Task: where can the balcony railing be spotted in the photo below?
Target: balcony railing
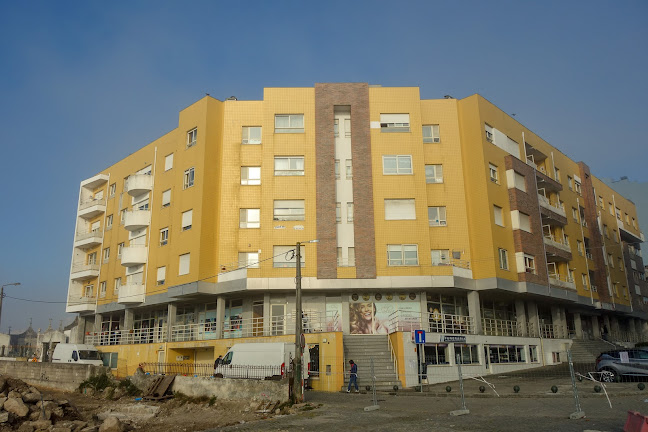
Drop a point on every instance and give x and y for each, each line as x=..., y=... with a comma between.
x=92, y=202
x=433, y=322
x=561, y=281
x=127, y=337
x=552, y=331
x=589, y=255
x=549, y=240
x=499, y=327
x=556, y=208
x=81, y=304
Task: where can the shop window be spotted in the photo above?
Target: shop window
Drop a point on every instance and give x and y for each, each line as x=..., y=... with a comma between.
x=468, y=354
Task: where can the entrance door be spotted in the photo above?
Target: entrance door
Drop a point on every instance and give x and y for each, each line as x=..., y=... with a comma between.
x=257, y=318
x=278, y=316
x=586, y=325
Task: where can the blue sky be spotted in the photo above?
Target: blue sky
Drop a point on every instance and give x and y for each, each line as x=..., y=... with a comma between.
x=84, y=84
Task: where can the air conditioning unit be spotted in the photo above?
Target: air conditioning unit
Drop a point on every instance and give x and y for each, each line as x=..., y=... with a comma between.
x=443, y=223
x=163, y=242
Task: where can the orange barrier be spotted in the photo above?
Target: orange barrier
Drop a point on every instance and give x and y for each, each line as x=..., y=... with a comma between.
x=636, y=422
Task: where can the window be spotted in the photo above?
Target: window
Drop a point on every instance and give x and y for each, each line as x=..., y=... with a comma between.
x=350, y=212
x=122, y=216
x=184, y=264
x=112, y=189
x=402, y=255
x=351, y=251
x=349, y=169
x=519, y=181
x=468, y=354
x=494, y=174
x=250, y=176
x=288, y=210
x=337, y=169
x=610, y=260
x=566, y=239
x=398, y=164
x=601, y=202
x=92, y=258
x=575, y=214
x=637, y=290
x=188, y=178
x=251, y=135
x=109, y=221
x=106, y=254
x=289, y=166
x=248, y=259
x=557, y=174
x=117, y=285
x=579, y=247
x=503, y=259
x=520, y=221
x=87, y=290
x=489, y=133
x=102, y=289
x=289, y=123
x=440, y=257
x=338, y=212
x=437, y=216
x=578, y=188
x=336, y=128
x=618, y=213
x=95, y=227
x=394, y=123
x=620, y=263
x=250, y=218
x=433, y=174
x=120, y=247
x=529, y=263
x=187, y=220
x=400, y=209
x=191, y=137
x=285, y=256
x=611, y=208
x=615, y=236
x=585, y=281
x=605, y=231
x=168, y=162
x=499, y=219
x=166, y=198
x=161, y=275
x=570, y=183
x=164, y=236
x=431, y=134
x=347, y=128
x=506, y=354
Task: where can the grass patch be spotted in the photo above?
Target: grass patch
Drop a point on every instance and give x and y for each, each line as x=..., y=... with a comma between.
x=97, y=383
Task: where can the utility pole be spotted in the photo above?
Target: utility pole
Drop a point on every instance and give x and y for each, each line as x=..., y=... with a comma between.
x=2, y=295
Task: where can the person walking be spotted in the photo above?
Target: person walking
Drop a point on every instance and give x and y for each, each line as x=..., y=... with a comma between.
x=217, y=363
x=353, y=377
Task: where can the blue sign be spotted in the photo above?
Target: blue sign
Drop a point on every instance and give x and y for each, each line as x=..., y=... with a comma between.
x=419, y=336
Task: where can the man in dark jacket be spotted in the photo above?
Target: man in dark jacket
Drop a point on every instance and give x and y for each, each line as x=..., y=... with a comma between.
x=353, y=377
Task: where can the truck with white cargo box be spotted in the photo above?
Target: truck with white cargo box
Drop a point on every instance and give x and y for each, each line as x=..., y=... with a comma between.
x=76, y=354
x=260, y=361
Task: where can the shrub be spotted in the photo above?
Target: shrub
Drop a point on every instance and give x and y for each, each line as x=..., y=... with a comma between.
x=97, y=382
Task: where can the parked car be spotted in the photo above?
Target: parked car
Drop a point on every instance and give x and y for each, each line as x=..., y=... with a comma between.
x=76, y=354
x=615, y=366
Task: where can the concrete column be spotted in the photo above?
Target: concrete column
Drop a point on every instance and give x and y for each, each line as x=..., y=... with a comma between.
x=637, y=328
x=425, y=323
x=534, y=329
x=172, y=311
x=596, y=331
x=97, y=322
x=644, y=329
x=129, y=315
x=345, y=315
x=78, y=335
x=614, y=322
x=474, y=310
x=521, y=317
x=267, y=318
x=578, y=326
x=220, y=316
x=557, y=322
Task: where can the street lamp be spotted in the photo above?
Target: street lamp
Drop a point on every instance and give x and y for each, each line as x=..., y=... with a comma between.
x=298, y=387
x=2, y=295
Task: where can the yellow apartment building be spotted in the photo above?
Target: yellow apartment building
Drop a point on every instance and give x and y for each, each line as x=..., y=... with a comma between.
x=443, y=215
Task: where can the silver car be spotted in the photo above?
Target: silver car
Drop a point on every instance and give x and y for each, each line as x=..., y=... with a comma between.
x=618, y=364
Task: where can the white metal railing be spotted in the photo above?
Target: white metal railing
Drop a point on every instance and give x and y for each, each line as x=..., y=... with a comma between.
x=432, y=322
x=624, y=336
x=552, y=331
x=589, y=255
x=87, y=235
x=557, y=244
x=91, y=202
x=554, y=207
x=500, y=327
x=127, y=337
x=84, y=267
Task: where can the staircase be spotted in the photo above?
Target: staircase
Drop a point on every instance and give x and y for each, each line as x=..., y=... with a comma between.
x=586, y=351
x=361, y=349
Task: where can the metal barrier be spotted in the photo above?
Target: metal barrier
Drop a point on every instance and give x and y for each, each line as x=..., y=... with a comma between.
x=225, y=371
x=498, y=327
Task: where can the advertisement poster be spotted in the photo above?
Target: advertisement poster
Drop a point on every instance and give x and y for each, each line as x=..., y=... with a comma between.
x=383, y=316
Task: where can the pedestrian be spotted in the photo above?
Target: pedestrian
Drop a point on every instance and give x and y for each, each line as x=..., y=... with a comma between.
x=605, y=332
x=217, y=363
x=353, y=377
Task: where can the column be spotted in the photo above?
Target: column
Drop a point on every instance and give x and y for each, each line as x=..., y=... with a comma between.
x=425, y=323
x=596, y=331
x=534, y=329
x=172, y=311
x=129, y=314
x=644, y=329
x=559, y=324
x=637, y=329
x=474, y=310
x=578, y=326
x=78, y=336
x=220, y=316
x=521, y=317
x=267, y=315
x=615, y=329
x=97, y=322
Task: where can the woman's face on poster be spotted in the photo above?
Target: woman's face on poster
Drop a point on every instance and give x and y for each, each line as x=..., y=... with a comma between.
x=366, y=311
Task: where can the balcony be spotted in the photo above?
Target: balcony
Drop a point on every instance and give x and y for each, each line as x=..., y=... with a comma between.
x=137, y=219
x=131, y=293
x=82, y=272
x=139, y=184
x=561, y=281
x=88, y=239
x=80, y=304
x=556, y=250
x=92, y=207
x=547, y=205
x=133, y=255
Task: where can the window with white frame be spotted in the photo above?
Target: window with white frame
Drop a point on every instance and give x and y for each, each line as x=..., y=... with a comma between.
x=106, y=254
x=402, y=255
x=437, y=216
x=188, y=179
x=557, y=174
x=503, y=259
x=610, y=260
x=192, y=135
x=351, y=254
x=519, y=181
x=102, y=289
x=288, y=210
x=575, y=214
x=637, y=290
x=347, y=128
x=92, y=258
x=431, y=134
x=577, y=187
x=400, y=209
x=336, y=128
x=289, y=123
x=337, y=169
x=440, y=257
x=489, y=133
x=394, y=123
x=184, y=263
x=349, y=169
x=109, y=221
x=520, y=221
x=499, y=216
x=433, y=174
x=601, y=202
x=350, y=212
x=338, y=212
x=529, y=263
x=397, y=164
x=120, y=248
x=161, y=275
x=112, y=189
x=468, y=354
x=166, y=198
x=285, y=256
x=187, y=220
x=579, y=247
x=494, y=174
x=248, y=259
x=122, y=216
x=164, y=236
x=87, y=290
x=250, y=218
x=251, y=135
x=570, y=183
x=289, y=165
x=585, y=281
x=168, y=162
x=117, y=285
x=251, y=176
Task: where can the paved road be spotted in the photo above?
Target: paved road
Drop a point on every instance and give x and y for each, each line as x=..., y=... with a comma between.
x=431, y=413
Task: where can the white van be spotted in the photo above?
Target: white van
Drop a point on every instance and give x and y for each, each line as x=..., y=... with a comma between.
x=260, y=360
x=76, y=354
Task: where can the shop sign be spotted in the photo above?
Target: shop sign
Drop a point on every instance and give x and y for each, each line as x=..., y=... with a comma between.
x=447, y=338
